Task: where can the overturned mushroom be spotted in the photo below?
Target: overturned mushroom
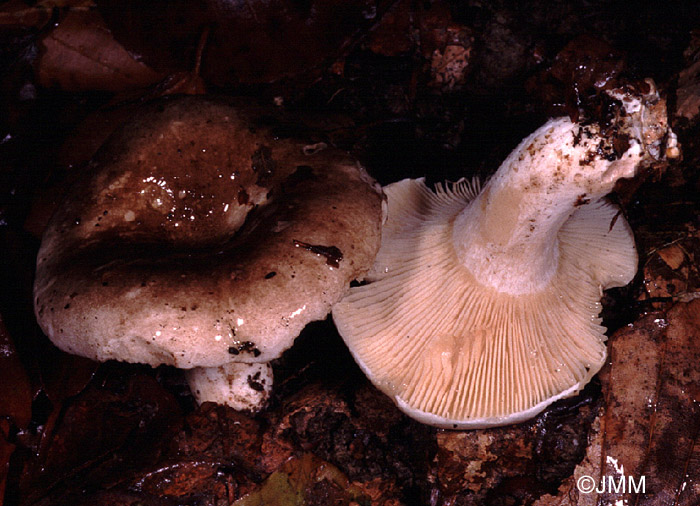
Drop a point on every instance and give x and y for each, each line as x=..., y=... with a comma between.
x=482, y=307
x=206, y=239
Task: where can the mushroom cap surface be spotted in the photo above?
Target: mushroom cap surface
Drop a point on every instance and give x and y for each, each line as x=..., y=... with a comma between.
x=203, y=235
x=454, y=353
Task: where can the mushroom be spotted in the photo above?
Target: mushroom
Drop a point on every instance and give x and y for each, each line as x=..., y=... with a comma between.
x=482, y=306
x=204, y=238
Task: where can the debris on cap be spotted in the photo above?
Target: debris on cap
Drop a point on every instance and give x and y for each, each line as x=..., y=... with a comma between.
x=203, y=234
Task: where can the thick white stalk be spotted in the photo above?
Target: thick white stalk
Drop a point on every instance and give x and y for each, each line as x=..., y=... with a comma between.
x=507, y=236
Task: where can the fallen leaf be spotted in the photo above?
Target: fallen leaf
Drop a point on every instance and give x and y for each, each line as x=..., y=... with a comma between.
x=649, y=433
x=519, y=462
x=19, y=13
x=64, y=375
x=301, y=481
x=671, y=462
x=179, y=479
x=122, y=497
x=393, y=35
x=15, y=388
x=223, y=434
x=81, y=54
x=362, y=433
x=673, y=255
x=215, y=456
x=672, y=272
x=253, y=41
x=688, y=92
x=6, y=451
x=101, y=437
x=568, y=492
x=580, y=72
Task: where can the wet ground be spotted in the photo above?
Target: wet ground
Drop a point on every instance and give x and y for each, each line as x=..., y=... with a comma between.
x=436, y=89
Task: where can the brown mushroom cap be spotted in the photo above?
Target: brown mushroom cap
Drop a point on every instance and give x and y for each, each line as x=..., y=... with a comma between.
x=203, y=236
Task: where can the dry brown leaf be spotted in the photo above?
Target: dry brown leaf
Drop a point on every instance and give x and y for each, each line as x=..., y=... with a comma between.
x=568, y=491
x=672, y=271
x=64, y=375
x=20, y=13
x=81, y=54
x=304, y=480
x=100, y=437
x=393, y=35
x=15, y=389
x=688, y=92
x=251, y=41
x=180, y=478
x=6, y=450
x=479, y=460
x=650, y=431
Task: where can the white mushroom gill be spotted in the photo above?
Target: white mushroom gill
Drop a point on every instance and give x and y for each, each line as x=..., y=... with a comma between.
x=482, y=306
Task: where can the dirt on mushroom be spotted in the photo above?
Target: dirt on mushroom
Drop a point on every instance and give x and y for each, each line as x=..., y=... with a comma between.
x=158, y=245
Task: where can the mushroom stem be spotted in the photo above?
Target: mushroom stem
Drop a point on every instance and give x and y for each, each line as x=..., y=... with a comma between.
x=240, y=385
x=515, y=220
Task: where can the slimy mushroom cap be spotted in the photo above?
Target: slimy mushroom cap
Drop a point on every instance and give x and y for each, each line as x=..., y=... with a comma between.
x=203, y=235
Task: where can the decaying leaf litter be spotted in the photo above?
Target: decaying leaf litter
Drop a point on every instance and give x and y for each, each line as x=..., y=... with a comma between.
x=433, y=102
